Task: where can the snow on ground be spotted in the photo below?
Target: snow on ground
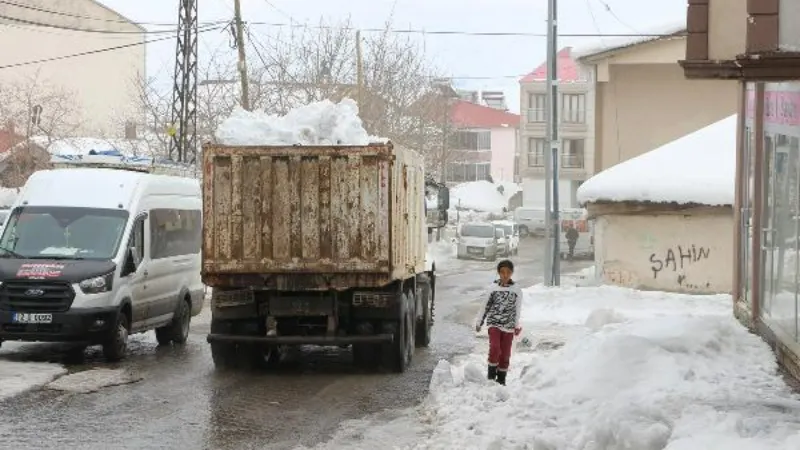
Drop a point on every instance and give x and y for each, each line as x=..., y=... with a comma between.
x=697, y=168
x=320, y=123
x=479, y=196
x=93, y=380
x=611, y=368
x=7, y=197
x=607, y=45
x=18, y=377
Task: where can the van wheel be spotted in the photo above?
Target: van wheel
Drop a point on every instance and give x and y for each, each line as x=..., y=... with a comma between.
x=178, y=330
x=116, y=344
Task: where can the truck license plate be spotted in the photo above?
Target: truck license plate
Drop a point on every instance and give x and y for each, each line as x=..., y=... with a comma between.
x=32, y=318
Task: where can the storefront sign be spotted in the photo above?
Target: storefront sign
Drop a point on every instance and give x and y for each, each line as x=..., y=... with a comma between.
x=780, y=108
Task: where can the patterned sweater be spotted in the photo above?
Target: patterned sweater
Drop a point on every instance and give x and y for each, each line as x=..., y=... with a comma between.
x=502, y=308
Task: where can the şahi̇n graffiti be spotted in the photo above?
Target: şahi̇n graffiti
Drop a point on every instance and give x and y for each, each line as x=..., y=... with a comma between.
x=678, y=258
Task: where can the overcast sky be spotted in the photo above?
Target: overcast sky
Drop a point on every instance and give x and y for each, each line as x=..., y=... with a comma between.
x=502, y=59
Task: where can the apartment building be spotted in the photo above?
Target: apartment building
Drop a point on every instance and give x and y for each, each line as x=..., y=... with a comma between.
x=576, y=124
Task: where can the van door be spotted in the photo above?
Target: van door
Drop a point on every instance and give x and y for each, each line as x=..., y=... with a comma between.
x=138, y=280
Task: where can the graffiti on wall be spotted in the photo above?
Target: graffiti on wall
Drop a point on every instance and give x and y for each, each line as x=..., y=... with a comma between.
x=677, y=258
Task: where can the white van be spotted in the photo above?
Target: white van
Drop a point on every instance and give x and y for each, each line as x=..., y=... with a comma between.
x=531, y=221
x=91, y=256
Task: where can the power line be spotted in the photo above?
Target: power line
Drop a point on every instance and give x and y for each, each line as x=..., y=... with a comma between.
x=80, y=16
x=614, y=15
x=83, y=30
x=93, y=52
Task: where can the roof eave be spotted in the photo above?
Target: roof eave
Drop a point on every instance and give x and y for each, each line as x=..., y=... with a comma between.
x=592, y=58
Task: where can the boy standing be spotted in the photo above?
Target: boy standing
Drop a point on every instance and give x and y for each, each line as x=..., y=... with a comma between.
x=501, y=314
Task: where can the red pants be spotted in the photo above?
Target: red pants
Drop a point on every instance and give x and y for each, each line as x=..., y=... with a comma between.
x=500, y=348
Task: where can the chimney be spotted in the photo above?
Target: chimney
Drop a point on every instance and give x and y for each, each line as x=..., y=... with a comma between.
x=130, y=131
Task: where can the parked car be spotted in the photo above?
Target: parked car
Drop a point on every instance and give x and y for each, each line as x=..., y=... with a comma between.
x=511, y=230
x=531, y=221
x=108, y=254
x=479, y=240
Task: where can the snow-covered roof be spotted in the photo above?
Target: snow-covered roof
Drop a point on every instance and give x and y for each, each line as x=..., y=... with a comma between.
x=699, y=168
x=85, y=145
x=598, y=47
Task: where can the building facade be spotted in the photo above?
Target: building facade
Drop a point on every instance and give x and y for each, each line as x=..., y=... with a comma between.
x=93, y=94
x=753, y=45
x=642, y=98
x=483, y=143
x=576, y=128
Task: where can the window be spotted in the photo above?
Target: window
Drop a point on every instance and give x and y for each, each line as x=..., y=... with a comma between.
x=460, y=172
x=572, y=153
x=137, y=241
x=64, y=232
x=472, y=140
x=573, y=108
x=537, y=107
x=174, y=232
x=536, y=148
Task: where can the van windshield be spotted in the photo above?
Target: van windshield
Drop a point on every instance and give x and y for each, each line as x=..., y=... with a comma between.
x=48, y=232
x=509, y=230
x=477, y=231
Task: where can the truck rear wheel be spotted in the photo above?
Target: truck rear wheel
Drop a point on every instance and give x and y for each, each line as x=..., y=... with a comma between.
x=399, y=354
x=425, y=322
x=222, y=353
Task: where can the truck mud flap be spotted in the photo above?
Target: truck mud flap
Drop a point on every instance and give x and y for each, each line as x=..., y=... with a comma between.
x=301, y=340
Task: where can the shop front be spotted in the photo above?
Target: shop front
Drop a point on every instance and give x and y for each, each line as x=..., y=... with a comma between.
x=767, y=270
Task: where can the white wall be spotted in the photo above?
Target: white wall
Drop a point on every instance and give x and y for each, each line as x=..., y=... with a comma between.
x=504, y=147
x=533, y=193
x=677, y=253
x=102, y=84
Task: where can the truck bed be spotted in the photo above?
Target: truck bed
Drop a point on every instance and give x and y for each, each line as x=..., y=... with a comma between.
x=311, y=217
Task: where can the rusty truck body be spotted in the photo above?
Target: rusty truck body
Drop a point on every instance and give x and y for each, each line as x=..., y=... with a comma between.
x=317, y=245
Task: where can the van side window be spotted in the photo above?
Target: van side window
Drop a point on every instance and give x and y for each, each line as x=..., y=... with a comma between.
x=174, y=232
x=137, y=241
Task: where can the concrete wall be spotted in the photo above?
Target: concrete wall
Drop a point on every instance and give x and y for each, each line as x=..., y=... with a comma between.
x=668, y=252
x=102, y=84
x=504, y=148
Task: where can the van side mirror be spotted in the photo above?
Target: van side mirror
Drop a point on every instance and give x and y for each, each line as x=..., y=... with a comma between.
x=129, y=265
x=444, y=198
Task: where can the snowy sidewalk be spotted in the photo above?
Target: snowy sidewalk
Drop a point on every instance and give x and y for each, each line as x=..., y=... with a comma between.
x=636, y=371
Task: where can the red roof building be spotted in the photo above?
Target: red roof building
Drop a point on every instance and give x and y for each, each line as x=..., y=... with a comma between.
x=464, y=114
x=567, y=69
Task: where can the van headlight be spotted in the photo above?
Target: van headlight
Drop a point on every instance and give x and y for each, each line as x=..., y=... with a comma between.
x=97, y=285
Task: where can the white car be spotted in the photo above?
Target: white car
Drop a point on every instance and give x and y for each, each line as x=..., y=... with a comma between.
x=479, y=241
x=511, y=231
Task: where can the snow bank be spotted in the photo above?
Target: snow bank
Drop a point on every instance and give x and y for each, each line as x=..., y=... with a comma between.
x=320, y=123
x=697, y=168
x=633, y=370
x=606, y=45
x=479, y=196
x=18, y=377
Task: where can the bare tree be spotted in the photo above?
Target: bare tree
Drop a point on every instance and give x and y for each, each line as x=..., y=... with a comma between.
x=36, y=109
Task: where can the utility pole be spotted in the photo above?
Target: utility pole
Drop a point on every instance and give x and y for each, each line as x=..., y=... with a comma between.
x=552, y=222
x=359, y=71
x=242, y=55
x=183, y=115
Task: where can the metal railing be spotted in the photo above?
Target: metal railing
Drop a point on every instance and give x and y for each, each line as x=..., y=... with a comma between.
x=568, y=161
x=573, y=117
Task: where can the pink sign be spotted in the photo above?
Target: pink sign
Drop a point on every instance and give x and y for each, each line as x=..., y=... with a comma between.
x=780, y=108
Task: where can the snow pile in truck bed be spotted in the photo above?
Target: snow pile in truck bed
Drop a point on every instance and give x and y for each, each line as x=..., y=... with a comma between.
x=320, y=123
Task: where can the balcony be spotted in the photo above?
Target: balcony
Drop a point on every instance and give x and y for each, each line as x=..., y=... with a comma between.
x=571, y=120
x=571, y=163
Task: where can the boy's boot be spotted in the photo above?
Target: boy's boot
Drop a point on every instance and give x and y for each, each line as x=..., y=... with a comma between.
x=492, y=372
x=501, y=377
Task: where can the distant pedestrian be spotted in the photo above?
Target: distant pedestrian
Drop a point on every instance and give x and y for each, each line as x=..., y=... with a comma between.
x=572, y=239
x=501, y=314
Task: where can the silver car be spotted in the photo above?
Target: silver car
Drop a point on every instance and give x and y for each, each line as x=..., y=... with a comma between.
x=479, y=241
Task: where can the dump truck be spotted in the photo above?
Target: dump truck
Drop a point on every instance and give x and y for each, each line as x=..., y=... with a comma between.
x=318, y=245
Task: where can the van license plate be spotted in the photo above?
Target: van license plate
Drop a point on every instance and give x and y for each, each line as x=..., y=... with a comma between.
x=32, y=318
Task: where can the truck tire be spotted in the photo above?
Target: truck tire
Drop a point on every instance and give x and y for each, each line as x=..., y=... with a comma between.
x=425, y=322
x=222, y=353
x=399, y=353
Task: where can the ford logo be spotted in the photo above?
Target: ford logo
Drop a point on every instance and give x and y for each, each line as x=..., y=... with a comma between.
x=34, y=292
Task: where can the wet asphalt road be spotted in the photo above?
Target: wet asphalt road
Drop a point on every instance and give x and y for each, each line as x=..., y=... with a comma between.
x=182, y=403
